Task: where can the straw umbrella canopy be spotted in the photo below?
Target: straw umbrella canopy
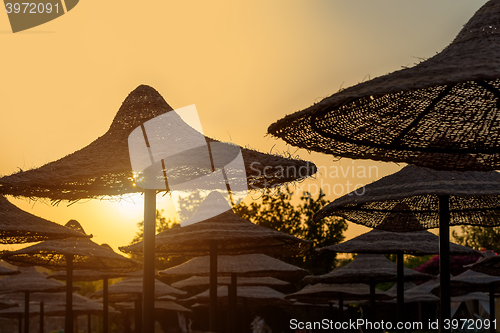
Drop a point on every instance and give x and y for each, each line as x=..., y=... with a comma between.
x=160, y=305
x=490, y=265
x=18, y=226
x=327, y=292
x=30, y=281
x=131, y=289
x=385, y=242
x=248, y=265
x=256, y=294
x=91, y=275
x=469, y=281
x=8, y=271
x=204, y=281
x=104, y=168
x=68, y=254
x=419, y=199
x=433, y=114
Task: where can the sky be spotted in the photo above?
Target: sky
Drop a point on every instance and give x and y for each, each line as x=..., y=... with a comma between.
x=244, y=64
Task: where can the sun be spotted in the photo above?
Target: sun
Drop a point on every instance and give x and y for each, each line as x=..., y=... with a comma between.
x=131, y=206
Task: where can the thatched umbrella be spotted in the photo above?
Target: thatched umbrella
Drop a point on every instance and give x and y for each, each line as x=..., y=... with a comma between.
x=433, y=114
x=256, y=294
x=249, y=265
x=91, y=275
x=419, y=199
x=222, y=233
x=131, y=289
x=204, y=281
x=399, y=243
x=469, y=281
x=489, y=264
x=367, y=268
x=30, y=281
x=104, y=168
x=18, y=226
x=80, y=253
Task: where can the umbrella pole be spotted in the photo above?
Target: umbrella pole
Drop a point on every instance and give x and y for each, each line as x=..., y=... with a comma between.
x=372, y=300
x=68, y=322
x=341, y=309
x=26, y=312
x=138, y=315
x=148, y=288
x=20, y=322
x=105, y=314
x=42, y=317
x=233, y=303
x=444, y=259
x=492, y=308
x=89, y=323
x=213, y=287
x=400, y=286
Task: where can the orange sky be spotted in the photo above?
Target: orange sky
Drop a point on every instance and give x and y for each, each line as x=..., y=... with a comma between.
x=244, y=64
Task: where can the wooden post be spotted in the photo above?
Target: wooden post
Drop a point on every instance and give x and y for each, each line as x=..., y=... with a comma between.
x=105, y=314
x=400, y=286
x=68, y=322
x=213, y=287
x=444, y=259
x=138, y=315
x=341, y=309
x=89, y=323
x=233, y=303
x=148, y=288
x=492, y=308
x=42, y=317
x=27, y=312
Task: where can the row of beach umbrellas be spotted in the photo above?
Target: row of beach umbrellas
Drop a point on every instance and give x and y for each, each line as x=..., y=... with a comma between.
x=441, y=115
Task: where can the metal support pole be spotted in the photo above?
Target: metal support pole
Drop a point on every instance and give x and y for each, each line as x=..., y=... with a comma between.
x=148, y=287
x=444, y=259
x=213, y=287
x=68, y=322
x=42, y=317
x=27, y=312
x=105, y=313
x=400, y=286
x=492, y=308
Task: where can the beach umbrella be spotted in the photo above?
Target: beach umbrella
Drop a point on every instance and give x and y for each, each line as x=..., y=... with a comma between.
x=367, y=268
x=489, y=264
x=18, y=226
x=104, y=169
x=249, y=265
x=69, y=254
x=91, y=275
x=131, y=289
x=223, y=233
x=419, y=199
x=478, y=282
x=443, y=113
x=399, y=243
x=30, y=281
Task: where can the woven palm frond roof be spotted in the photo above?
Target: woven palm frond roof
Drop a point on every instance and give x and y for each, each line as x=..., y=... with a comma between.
x=195, y=281
x=18, y=226
x=133, y=287
x=488, y=265
x=103, y=168
x=30, y=280
x=8, y=271
x=324, y=292
x=233, y=234
x=433, y=114
x=408, y=200
x=86, y=254
x=380, y=241
x=87, y=275
x=366, y=268
x=249, y=292
x=159, y=305
x=250, y=265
